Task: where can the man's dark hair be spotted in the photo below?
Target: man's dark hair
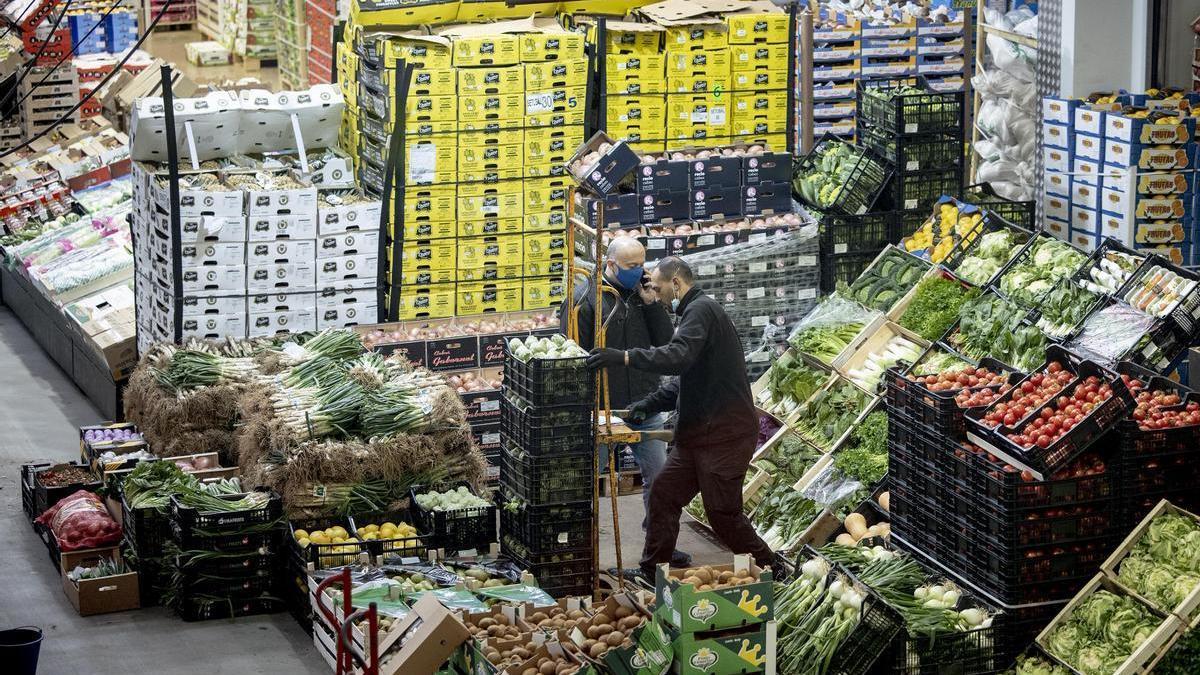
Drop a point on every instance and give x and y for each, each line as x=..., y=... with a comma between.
x=671, y=267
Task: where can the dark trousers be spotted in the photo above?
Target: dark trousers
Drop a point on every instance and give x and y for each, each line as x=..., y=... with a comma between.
x=717, y=472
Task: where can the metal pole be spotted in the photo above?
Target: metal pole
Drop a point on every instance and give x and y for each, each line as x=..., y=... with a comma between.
x=806, y=81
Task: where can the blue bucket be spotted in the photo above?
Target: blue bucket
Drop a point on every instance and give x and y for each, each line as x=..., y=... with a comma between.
x=20, y=647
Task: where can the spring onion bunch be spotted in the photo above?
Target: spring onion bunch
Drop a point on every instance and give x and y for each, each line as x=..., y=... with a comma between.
x=818, y=635
x=188, y=369
x=402, y=405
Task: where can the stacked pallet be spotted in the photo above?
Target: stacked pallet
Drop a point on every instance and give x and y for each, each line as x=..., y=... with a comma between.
x=291, y=35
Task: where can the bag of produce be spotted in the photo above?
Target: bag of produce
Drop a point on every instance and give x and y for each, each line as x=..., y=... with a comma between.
x=80, y=521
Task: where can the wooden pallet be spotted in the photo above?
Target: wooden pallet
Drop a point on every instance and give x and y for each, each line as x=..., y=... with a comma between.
x=251, y=64
x=177, y=26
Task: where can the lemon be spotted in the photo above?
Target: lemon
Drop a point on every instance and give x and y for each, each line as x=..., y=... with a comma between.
x=388, y=526
x=370, y=536
x=340, y=531
x=339, y=540
x=303, y=541
x=301, y=534
x=318, y=537
x=369, y=528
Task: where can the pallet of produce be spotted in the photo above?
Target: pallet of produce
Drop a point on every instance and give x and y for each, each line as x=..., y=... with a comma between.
x=948, y=233
x=839, y=177
x=990, y=326
x=831, y=331
x=1158, y=444
x=886, y=280
x=899, y=108
x=889, y=346
x=1036, y=269
x=931, y=307
x=548, y=371
x=1158, y=562
x=621, y=634
x=1053, y=415
x=1105, y=630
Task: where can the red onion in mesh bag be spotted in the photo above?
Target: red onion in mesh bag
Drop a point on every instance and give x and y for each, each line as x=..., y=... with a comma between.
x=80, y=521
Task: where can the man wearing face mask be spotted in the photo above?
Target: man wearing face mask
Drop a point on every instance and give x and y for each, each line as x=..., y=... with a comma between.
x=717, y=429
x=632, y=318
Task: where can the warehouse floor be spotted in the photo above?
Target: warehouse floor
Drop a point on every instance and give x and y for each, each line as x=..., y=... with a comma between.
x=42, y=409
x=171, y=46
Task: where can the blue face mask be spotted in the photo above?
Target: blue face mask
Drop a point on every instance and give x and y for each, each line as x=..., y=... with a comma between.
x=629, y=278
x=675, y=305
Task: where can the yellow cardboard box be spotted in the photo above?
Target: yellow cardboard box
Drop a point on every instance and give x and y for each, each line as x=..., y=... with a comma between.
x=430, y=109
x=762, y=78
x=634, y=73
x=544, y=292
x=503, y=249
x=556, y=44
x=485, y=50
x=753, y=57
x=477, y=297
x=574, y=116
x=491, y=136
x=489, y=226
x=766, y=105
x=481, y=108
x=433, y=203
x=426, y=82
x=553, y=74
x=699, y=83
x=547, y=103
x=491, y=80
x=648, y=109
x=570, y=136
x=490, y=162
x=545, y=246
x=432, y=302
x=759, y=22
x=422, y=51
x=546, y=194
x=546, y=221
x=710, y=63
x=432, y=254
x=707, y=109
x=698, y=37
x=480, y=201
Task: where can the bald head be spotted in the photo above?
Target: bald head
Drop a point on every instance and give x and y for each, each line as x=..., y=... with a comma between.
x=627, y=251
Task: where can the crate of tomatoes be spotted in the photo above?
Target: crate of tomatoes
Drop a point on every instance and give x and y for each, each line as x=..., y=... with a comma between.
x=936, y=397
x=1052, y=415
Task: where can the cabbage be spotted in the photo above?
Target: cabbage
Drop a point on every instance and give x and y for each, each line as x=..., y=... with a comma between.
x=996, y=245
x=977, y=270
x=1065, y=640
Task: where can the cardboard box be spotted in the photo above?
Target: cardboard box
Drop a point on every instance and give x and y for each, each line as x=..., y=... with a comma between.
x=681, y=607
x=724, y=653
x=423, y=640
x=103, y=595
x=612, y=166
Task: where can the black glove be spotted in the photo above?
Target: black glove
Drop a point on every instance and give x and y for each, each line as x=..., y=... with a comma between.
x=605, y=358
x=638, y=413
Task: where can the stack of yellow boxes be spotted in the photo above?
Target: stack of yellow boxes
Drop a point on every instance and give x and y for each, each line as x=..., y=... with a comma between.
x=693, y=77
x=492, y=114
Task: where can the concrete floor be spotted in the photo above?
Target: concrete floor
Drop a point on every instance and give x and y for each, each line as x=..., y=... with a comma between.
x=42, y=409
x=171, y=46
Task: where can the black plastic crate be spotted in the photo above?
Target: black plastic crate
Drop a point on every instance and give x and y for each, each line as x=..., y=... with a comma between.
x=458, y=530
x=909, y=154
x=869, y=642
x=146, y=529
x=935, y=410
x=1023, y=214
x=1047, y=573
x=870, y=232
x=1099, y=420
x=545, y=480
x=1010, y=492
x=28, y=489
x=402, y=547
x=548, y=565
x=547, y=431
x=188, y=518
x=564, y=585
x=924, y=112
x=910, y=191
x=191, y=540
x=46, y=496
x=1183, y=316
x=864, y=182
x=971, y=652
x=153, y=578
x=524, y=534
x=550, y=382
x=253, y=564
x=189, y=584
x=198, y=609
x=844, y=268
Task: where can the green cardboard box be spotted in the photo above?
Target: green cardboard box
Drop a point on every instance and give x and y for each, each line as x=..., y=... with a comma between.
x=686, y=609
x=724, y=652
x=650, y=651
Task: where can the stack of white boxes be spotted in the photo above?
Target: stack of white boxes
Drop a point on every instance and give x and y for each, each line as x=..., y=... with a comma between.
x=1124, y=169
x=251, y=261
x=259, y=249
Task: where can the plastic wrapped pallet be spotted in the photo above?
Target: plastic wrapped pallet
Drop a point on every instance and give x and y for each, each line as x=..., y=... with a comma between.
x=1008, y=115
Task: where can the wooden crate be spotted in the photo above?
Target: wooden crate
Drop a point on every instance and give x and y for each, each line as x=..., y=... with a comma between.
x=1190, y=607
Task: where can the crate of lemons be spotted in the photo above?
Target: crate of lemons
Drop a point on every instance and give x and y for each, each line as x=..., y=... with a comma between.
x=335, y=545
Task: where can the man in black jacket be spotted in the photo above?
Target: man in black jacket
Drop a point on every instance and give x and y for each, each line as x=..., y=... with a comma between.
x=633, y=318
x=717, y=429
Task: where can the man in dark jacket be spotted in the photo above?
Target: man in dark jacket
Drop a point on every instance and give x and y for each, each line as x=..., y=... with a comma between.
x=717, y=429
x=632, y=318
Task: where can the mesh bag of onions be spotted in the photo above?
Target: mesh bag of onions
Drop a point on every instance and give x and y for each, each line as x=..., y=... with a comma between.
x=80, y=521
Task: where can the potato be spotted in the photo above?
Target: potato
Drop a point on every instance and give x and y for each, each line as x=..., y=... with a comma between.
x=622, y=611
x=486, y=622
x=629, y=622
x=704, y=587
x=577, y=614
x=564, y=668
x=530, y=671
x=502, y=620
x=601, y=619
x=605, y=629
x=522, y=653
x=594, y=631
x=705, y=574
x=548, y=668
x=598, y=649
x=614, y=638
x=725, y=576
x=587, y=644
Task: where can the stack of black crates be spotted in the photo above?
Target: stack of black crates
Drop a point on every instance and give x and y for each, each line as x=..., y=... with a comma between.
x=223, y=564
x=921, y=132
x=1026, y=546
x=547, y=471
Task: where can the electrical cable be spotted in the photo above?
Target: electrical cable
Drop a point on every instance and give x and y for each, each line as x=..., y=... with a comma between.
x=137, y=45
x=14, y=25
x=41, y=50
x=116, y=4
